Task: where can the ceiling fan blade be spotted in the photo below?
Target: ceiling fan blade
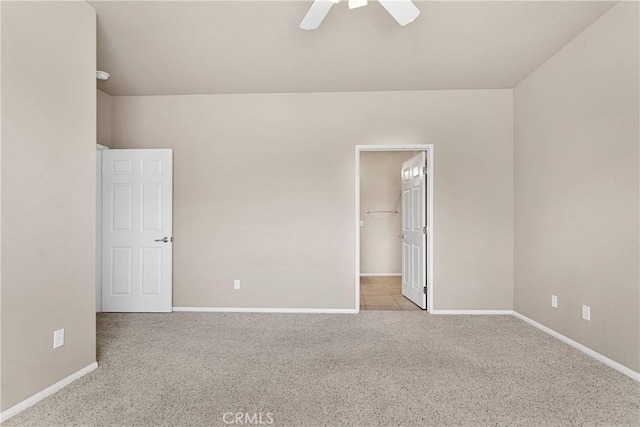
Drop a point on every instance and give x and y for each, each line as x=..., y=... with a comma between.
x=403, y=11
x=316, y=14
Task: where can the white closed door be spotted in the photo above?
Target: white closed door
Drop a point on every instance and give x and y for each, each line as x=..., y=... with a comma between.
x=137, y=230
x=414, y=230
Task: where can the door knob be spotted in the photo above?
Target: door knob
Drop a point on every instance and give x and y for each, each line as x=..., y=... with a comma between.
x=401, y=236
x=165, y=240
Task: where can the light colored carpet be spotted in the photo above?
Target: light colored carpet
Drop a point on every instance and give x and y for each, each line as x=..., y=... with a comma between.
x=369, y=369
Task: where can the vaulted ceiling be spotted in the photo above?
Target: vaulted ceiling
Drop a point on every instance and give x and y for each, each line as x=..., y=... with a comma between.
x=208, y=47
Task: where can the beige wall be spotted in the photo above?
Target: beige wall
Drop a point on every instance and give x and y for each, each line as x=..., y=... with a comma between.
x=104, y=118
x=577, y=187
x=48, y=187
x=264, y=191
x=381, y=189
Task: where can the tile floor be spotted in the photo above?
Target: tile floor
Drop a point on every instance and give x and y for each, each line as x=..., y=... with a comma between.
x=383, y=293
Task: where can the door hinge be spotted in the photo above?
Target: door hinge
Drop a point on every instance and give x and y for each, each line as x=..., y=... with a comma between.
x=424, y=230
x=424, y=170
x=425, y=289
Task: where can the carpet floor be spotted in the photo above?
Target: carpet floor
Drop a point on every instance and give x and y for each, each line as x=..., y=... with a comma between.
x=371, y=369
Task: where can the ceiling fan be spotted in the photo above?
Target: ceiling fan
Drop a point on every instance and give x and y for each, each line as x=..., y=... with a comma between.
x=403, y=11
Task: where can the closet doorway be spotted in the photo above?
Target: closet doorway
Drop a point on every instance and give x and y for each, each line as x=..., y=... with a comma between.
x=394, y=227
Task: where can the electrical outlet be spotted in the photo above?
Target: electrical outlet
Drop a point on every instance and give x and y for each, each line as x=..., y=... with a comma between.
x=58, y=338
x=554, y=301
x=236, y=284
x=586, y=313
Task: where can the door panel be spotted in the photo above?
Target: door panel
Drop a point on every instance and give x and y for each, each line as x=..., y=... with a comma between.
x=151, y=271
x=121, y=271
x=137, y=216
x=122, y=210
x=414, y=245
x=151, y=207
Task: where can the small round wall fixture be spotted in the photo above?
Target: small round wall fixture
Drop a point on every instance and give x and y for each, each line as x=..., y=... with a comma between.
x=102, y=75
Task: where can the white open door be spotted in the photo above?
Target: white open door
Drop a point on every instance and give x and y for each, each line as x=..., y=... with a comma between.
x=137, y=230
x=414, y=230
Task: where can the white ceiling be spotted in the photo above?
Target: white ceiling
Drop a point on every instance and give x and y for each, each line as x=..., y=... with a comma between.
x=182, y=47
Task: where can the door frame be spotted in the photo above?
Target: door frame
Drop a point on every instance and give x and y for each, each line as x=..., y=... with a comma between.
x=99, y=149
x=428, y=148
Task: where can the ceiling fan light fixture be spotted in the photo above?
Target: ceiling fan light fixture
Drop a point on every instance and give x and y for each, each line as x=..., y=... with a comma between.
x=403, y=11
x=354, y=4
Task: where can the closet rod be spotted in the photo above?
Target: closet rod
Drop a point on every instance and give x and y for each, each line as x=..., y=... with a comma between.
x=371, y=212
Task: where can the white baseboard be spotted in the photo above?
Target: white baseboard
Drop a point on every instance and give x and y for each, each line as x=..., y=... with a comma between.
x=14, y=410
x=266, y=310
x=474, y=312
x=600, y=357
x=380, y=274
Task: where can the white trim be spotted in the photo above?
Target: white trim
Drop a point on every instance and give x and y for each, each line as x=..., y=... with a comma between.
x=431, y=225
x=400, y=147
x=474, y=312
x=396, y=147
x=600, y=357
x=98, y=268
x=380, y=274
x=99, y=149
x=16, y=409
x=265, y=310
